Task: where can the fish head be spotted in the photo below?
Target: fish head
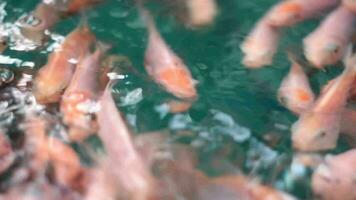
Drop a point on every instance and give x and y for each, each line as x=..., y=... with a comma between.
x=256, y=53
x=315, y=131
x=285, y=14
x=323, y=51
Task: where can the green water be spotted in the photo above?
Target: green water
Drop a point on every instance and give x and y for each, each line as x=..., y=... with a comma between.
x=229, y=94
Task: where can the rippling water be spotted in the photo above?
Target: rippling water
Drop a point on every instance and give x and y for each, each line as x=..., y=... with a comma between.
x=237, y=116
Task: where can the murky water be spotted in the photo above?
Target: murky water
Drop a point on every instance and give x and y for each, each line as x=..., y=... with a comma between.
x=237, y=118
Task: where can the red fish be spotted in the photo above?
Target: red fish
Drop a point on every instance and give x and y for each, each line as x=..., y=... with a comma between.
x=295, y=92
x=288, y=13
x=318, y=128
x=165, y=67
x=260, y=45
x=127, y=165
x=54, y=77
x=81, y=96
x=324, y=47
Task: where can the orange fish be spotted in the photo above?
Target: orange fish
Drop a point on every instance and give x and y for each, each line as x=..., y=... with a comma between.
x=288, y=13
x=260, y=45
x=79, y=99
x=295, y=92
x=335, y=178
x=165, y=67
x=127, y=165
x=75, y=6
x=54, y=77
x=201, y=12
x=324, y=47
x=318, y=128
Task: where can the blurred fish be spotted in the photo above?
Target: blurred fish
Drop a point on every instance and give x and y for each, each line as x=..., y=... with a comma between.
x=260, y=45
x=7, y=155
x=239, y=187
x=335, y=178
x=55, y=76
x=164, y=66
x=79, y=101
x=288, y=13
x=318, y=128
x=126, y=164
x=42, y=18
x=349, y=4
x=295, y=92
x=325, y=47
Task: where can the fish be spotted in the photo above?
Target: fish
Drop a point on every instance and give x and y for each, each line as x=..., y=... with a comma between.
x=79, y=101
x=324, y=47
x=231, y=187
x=335, y=178
x=164, y=66
x=74, y=6
x=44, y=17
x=7, y=154
x=291, y=12
x=128, y=167
x=349, y=4
x=3, y=43
x=260, y=46
x=53, y=78
x=295, y=92
x=318, y=128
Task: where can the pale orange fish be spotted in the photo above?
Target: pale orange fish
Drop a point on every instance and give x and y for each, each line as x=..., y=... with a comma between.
x=42, y=18
x=324, y=47
x=201, y=12
x=164, y=66
x=295, y=92
x=79, y=101
x=239, y=187
x=7, y=155
x=260, y=45
x=318, y=128
x=128, y=167
x=335, y=178
x=75, y=6
x=349, y=4
x=288, y=13
x=54, y=77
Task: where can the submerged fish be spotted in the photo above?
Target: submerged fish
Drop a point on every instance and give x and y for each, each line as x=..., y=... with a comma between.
x=260, y=45
x=127, y=165
x=295, y=92
x=335, y=178
x=288, y=13
x=328, y=43
x=165, y=67
x=54, y=77
x=79, y=101
x=200, y=12
x=318, y=128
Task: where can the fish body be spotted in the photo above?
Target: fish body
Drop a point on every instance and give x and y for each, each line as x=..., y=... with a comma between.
x=165, y=67
x=349, y=4
x=289, y=13
x=295, y=92
x=325, y=47
x=260, y=45
x=318, y=129
x=54, y=77
x=80, y=98
x=334, y=179
x=127, y=165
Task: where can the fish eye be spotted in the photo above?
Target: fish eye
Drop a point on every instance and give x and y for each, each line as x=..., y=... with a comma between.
x=332, y=48
x=283, y=100
x=321, y=134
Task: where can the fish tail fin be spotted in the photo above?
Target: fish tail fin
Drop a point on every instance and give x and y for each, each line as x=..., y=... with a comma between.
x=146, y=16
x=84, y=22
x=103, y=47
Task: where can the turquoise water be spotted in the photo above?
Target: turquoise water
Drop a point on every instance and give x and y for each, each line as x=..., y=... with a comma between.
x=237, y=108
